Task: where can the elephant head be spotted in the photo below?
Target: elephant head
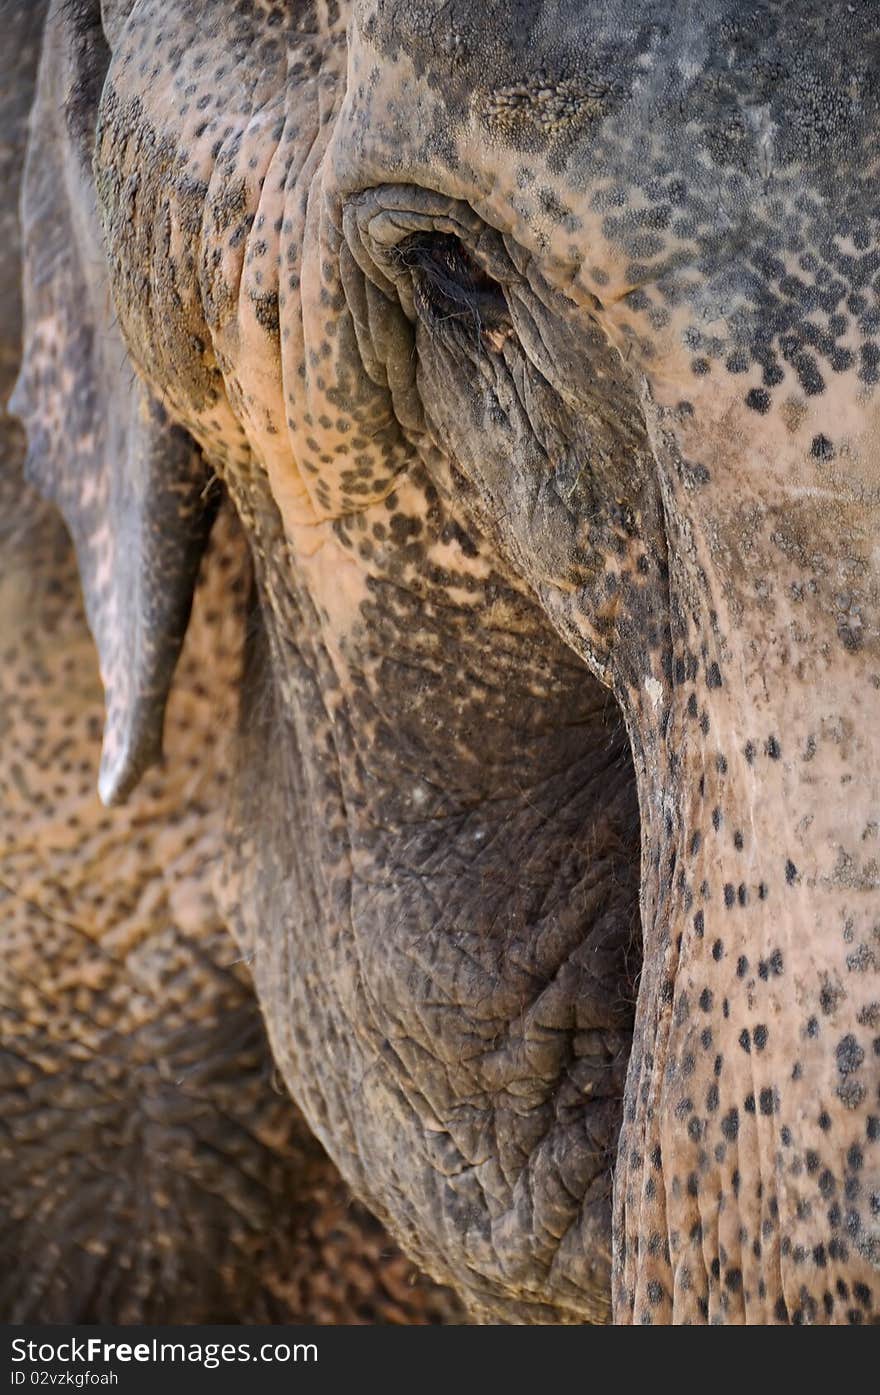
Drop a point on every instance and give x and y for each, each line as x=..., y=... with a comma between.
x=537, y=346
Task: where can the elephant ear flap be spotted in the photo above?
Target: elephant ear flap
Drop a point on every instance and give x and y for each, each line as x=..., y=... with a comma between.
x=131, y=486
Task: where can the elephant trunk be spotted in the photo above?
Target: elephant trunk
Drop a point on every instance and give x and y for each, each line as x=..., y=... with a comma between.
x=748, y=1181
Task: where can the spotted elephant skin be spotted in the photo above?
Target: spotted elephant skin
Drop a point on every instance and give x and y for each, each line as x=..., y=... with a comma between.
x=536, y=345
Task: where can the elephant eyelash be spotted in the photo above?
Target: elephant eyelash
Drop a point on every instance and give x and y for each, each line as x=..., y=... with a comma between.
x=449, y=284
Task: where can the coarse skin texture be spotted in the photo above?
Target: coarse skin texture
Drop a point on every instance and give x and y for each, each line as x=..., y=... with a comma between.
x=537, y=347
x=152, y=1167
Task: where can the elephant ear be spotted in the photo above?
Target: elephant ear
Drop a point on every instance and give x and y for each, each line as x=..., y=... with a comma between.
x=131, y=485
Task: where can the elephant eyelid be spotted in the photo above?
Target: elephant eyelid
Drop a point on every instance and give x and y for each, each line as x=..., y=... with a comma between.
x=449, y=283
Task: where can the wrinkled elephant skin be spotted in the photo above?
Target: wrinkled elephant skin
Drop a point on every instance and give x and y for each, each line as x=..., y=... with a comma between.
x=537, y=346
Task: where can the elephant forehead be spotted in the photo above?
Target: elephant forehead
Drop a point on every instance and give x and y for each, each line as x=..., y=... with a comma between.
x=555, y=66
x=703, y=183
x=633, y=144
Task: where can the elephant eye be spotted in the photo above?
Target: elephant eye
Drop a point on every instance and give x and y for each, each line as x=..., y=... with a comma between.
x=449, y=284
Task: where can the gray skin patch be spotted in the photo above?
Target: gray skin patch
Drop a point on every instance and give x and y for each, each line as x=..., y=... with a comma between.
x=533, y=346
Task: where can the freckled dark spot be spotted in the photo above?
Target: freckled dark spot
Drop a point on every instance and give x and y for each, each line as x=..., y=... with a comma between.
x=809, y=377
x=759, y=400
x=717, y=950
x=827, y=1183
x=850, y=1055
x=772, y=748
x=869, y=371
x=730, y=1125
x=790, y=872
x=729, y=895
x=759, y=1037
x=822, y=448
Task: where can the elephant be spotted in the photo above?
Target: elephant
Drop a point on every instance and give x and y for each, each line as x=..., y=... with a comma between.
x=153, y=1168
x=535, y=347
